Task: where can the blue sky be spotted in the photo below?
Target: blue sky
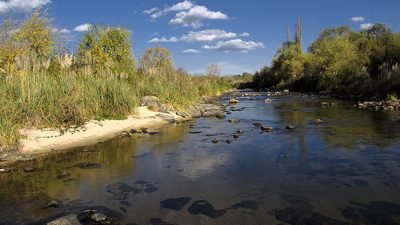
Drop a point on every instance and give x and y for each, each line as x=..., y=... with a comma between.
x=239, y=35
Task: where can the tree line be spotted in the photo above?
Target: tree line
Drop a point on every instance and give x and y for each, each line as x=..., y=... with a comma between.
x=344, y=62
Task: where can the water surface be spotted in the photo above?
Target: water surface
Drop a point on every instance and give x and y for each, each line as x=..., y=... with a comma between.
x=344, y=171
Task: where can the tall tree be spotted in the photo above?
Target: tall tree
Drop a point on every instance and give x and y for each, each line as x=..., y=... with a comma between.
x=299, y=34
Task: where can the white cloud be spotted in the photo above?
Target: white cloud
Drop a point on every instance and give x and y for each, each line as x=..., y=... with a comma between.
x=244, y=34
x=366, y=26
x=191, y=50
x=207, y=35
x=61, y=31
x=156, y=15
x=151, y=11
x=357, y=19
x=21, y=5
x=182, y=6
x=235, y=45
x=194, y=16
x=82, y=28
x=163, y=39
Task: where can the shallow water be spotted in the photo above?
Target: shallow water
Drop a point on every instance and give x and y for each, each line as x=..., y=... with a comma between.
x=344, y=171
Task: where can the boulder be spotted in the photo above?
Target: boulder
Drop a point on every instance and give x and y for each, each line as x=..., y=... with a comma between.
x=66, y=220
x=266, y=129
x=233, y=101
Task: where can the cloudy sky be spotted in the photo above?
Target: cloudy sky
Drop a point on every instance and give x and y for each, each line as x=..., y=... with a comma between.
x=239, y=35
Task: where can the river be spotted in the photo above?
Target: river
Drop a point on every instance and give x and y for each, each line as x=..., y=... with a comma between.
x=343, y=171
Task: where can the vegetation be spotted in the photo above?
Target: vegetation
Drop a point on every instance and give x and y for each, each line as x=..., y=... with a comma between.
x=344, y=62
x=44, y=87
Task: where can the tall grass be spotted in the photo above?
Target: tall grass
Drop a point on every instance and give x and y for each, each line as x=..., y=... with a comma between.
x=66, y=99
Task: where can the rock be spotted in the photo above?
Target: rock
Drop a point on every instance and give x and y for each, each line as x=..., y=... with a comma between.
x=318, y=121
x=236, y=136
x=167, y=117
x=182, y=114
x=149, y=100
x=325, y=104
x=52, y=204
x=215, y=141
x=257, y=124
x=133, y=131
x=268, y=100
x=290, y=127
x=124, y=134
x=286, y=91
x=266, y=129
x=66, y=220
x=144, y=130
x=5, y=170
x=233, y=101
x=228, y=141
x=240, y=131
x=221, y=115
x=63, y=174
x=233, y=121
x=93, y=217
x=29, y=169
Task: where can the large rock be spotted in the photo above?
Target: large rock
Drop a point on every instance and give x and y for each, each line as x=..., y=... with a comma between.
x=66, y=220
x=154, y=104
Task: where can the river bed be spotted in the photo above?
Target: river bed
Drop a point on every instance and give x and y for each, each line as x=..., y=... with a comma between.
x=345, y=170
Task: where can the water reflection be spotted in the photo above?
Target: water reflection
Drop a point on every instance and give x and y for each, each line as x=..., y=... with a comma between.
x=345, y=170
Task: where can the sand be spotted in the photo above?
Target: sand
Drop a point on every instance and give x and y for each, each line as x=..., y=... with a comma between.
x=48, y=140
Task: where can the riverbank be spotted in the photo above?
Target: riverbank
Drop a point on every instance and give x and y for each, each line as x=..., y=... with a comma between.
x=147, y=119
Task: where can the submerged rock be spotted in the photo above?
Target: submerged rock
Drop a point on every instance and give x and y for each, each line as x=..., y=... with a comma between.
x=266, y=129
x=175, y=203
x=52, y=204
x=205, y=208
x=66, y=220
x=318, y=121
x=290, y=127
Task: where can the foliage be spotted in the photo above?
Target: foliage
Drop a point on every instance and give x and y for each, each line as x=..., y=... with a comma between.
x=156, y=59
x=105, y=51
x=342, y=61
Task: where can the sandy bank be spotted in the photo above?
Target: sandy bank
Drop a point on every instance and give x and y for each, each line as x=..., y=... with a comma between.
x=49, y=140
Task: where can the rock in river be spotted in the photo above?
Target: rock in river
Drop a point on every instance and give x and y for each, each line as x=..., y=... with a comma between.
x=266, y=129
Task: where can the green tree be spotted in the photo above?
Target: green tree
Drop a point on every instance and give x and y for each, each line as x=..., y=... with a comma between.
x=106, y=50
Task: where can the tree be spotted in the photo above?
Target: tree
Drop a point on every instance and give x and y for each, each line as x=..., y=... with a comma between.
x=106, y=49
x=10, y=47
x=213, y=70
x=157, y=59
x=36, y=35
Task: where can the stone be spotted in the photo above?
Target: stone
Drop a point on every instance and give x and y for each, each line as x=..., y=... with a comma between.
x=236, y=136
x=215, y=141
x=228, y=141
x=266, y=129
x=233, y=101
x=240, y=131
x=220, y=115
x=5, y=170
x=63, y=174
x=233, y=121
x=52, y=204
x=286, y=91
x=290, y=127
x=325, y=104
x=268, y=100
x=29, y=169
x=66, y=220
x=257, y=124
x=318, y=121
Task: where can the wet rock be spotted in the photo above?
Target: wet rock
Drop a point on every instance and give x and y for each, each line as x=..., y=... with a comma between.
x=240, y=131
x=290, y=127
x=257, y=124
x=93, y=217
x=150, y=189
x=248, y=204
x=209, y=113
x=318, y=121
x=266, y=129
x=228, y=141
x=233, y=101
x=88, y=165
x=175, y=203
x=236, y=136
x=205, y=208
x=215, y=141
x=297, y=216
x=286, y=91
x=28, y=169
x=124, y=134
x=66, y=220
x=268, y=100
x=52, y=204
x=325, y=104
x=133, y=131
x=159, y=221
x=373, y=213
x=220, y=115
x=144, y=130
x=233, y=121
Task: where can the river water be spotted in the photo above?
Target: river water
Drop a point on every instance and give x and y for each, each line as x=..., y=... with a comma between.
x=344, y=171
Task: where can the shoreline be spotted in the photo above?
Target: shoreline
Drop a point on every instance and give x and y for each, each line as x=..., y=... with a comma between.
x=44, y=141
